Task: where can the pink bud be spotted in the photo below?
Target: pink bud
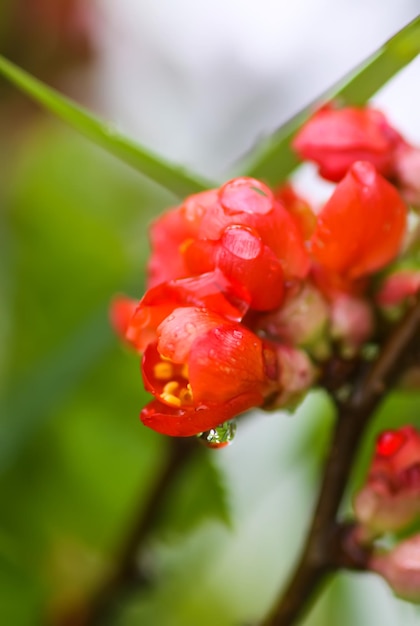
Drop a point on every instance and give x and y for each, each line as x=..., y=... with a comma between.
x=400, y=567
x=351, y=322
x=390, y=499
x=407, y=166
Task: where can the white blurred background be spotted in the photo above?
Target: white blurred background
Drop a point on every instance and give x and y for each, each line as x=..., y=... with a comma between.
x=200, y=82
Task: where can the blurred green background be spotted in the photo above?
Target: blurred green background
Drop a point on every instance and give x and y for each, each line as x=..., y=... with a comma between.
x=76, y=466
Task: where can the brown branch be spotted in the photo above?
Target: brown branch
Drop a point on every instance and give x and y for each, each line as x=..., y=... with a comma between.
x=126, y=575
x=319, y=556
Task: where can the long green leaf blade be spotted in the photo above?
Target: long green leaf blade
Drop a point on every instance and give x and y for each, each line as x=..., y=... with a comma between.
x=174, y=178
x=273, y=159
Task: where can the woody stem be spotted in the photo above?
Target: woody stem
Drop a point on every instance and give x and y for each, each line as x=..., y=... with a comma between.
x=320, y=555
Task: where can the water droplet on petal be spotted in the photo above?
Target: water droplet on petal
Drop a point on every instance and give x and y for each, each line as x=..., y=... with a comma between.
x=219, y=437
x=190, y=327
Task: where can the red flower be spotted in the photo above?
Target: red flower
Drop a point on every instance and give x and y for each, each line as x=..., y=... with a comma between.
x=360, y=228
x=390, y=500
x=203, y=370
x=206, y=217
x=336, y=138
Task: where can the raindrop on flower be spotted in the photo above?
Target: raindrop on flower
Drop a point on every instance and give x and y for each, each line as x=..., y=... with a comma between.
x=219, y=437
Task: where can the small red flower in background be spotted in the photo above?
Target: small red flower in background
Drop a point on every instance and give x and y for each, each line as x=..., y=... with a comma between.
x=336, y=138
x=390, y=500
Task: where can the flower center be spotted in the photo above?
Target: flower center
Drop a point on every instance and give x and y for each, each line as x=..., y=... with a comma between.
x=176, y=390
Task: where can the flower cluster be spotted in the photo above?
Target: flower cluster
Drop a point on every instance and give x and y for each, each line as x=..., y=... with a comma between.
x=250, y=290
x=390, y=502
x=390, y=499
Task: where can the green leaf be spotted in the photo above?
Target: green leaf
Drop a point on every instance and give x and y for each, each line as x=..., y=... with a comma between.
x=198, y=493
x=172, y=177
x=273, y=159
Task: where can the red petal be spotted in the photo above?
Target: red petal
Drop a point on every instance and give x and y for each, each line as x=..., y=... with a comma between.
x=121, y=311
x=246, y=195
x=211, y=290
x=337, y=138
x=192, y=421
x=245, y=260
x=226, y=362
x=168, y=235
x=299, y=208
x=361, y=227
x=182, y=327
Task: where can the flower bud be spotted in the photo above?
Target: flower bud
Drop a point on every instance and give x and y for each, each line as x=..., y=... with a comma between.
x=351, y=322
x=301, y=321
x=390, y=499
x=400, y=567
x=398, y=286
x=407, y=166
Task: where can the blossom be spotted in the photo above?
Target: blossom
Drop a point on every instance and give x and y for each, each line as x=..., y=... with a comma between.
x=390, y=499
x=203, y=370
x=337, y=138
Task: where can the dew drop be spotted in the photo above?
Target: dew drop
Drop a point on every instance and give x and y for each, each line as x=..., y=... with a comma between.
x=219, y=437
x=190, y=327
x=212, y=353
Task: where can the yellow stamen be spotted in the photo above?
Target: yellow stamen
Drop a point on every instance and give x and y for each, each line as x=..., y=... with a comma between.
x=185, y=396
x=184, y=371
x=163, y=370
x=185, y=244
x=170, y=399
x=171, y=387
